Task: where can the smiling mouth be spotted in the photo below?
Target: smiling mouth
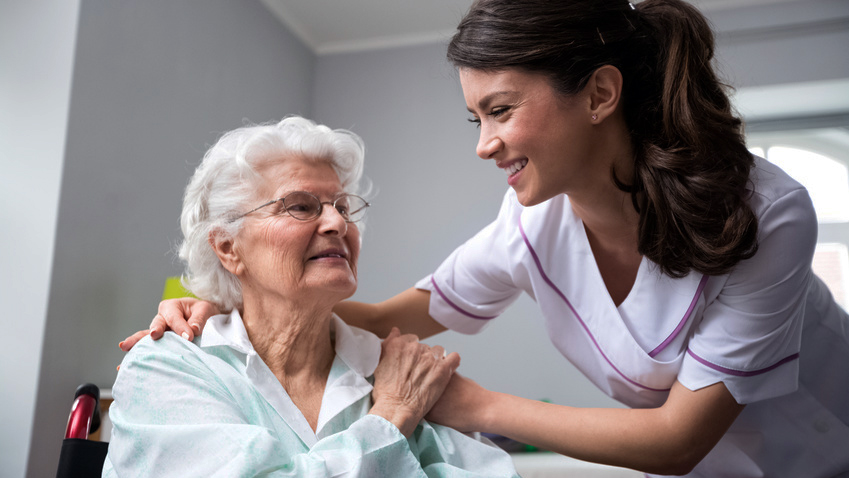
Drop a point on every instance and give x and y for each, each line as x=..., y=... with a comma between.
x=329, y=255
x=516, y=167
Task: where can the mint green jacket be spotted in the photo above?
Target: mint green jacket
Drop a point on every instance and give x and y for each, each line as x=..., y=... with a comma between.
x=213, y=408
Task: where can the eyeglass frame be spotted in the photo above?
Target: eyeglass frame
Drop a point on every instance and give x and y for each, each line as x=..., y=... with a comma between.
x=320, y=206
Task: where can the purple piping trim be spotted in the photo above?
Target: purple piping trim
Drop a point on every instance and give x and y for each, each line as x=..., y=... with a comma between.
x=680, y=326
x=454, y=306
x=580, y=320
x=741, y=373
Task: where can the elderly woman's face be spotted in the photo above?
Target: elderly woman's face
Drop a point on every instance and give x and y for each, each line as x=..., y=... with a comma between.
x=284, y=256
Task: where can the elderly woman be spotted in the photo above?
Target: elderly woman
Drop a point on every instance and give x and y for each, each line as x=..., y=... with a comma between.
x=281, y=386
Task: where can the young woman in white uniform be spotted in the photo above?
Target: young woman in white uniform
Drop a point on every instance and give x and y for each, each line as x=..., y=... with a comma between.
x=671, y=267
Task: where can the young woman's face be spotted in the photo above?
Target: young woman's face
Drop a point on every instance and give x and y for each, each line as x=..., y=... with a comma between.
x=541, y=139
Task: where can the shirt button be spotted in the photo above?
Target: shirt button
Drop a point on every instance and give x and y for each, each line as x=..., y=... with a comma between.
x=821, y=426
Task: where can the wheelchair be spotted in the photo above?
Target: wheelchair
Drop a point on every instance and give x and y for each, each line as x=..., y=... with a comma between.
x=81, y=457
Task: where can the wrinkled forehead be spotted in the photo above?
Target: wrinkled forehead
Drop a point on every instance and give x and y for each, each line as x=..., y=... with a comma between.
x=297, y=173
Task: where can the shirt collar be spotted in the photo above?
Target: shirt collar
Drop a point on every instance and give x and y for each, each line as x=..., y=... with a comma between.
x=357, y=355
x=359, y=349
x=228, y=330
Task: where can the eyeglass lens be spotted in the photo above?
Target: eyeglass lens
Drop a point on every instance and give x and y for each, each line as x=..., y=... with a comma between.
x=303, y=206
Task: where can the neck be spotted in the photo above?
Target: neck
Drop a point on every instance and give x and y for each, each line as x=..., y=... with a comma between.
x=292, y=338
x=610, y=217
x=606, y=211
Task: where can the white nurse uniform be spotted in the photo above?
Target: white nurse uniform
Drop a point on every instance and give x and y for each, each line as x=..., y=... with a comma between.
x=769, y=330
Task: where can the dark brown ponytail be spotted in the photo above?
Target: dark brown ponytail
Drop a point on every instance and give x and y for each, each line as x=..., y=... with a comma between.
x=691, y=164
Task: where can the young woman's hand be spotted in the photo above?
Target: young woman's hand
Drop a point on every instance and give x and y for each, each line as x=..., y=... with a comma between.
x=185, y=316
x=409, y=379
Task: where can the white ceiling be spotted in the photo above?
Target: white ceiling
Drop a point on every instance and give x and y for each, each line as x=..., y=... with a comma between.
x=333, y=26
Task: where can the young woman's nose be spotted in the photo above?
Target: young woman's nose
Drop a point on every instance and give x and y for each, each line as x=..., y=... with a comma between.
x=488, y=144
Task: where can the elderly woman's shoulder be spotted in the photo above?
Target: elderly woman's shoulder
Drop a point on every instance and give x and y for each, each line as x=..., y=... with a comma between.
x=169, y=344
x=170, y=354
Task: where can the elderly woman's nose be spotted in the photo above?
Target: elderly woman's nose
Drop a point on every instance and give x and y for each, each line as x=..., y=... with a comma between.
x=332, y=222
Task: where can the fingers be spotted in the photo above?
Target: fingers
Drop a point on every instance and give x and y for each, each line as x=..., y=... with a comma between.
x=452, y=360
x=158, y=326
x=174, y=316
x=393, y=334
x=195, y=328
x=410, y=378
x=185, y=317
x=128, y=343
x=396, y=344
x=198, y=313
x=441, y=364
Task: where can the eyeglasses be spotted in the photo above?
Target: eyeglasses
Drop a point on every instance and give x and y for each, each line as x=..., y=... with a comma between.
x=304, y=206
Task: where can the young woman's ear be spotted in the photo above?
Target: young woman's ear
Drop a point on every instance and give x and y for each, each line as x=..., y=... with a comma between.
x=225, y=249
x=604, y=90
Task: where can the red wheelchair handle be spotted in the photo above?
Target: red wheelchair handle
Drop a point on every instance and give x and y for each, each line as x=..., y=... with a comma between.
x=79, y=422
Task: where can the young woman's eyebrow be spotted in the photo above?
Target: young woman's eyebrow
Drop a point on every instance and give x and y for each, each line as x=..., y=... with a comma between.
x=488, y=99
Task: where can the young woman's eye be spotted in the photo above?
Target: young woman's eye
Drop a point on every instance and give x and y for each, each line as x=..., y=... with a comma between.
x=496, y=112
x=476, y=121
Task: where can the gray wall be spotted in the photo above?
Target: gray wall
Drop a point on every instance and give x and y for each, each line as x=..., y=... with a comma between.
x=154, y=83
x=36, y=55
x=794, y=42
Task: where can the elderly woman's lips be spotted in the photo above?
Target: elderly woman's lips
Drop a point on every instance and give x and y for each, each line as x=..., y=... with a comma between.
x=334, y=255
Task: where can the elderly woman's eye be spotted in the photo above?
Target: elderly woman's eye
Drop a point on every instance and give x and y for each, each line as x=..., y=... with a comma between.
x=343, y=209
x=302, y=209
x=299, y=207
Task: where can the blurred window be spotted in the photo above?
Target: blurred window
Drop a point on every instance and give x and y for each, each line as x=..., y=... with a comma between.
x=819, y=160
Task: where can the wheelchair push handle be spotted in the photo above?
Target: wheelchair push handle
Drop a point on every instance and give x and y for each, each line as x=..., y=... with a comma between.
x=85, y=412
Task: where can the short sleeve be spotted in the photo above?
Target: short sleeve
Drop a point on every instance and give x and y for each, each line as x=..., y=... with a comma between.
x=474, y=284
x=750, y=336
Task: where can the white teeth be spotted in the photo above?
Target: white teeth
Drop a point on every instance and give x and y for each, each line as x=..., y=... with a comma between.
x=328, y=255
x=516, y=167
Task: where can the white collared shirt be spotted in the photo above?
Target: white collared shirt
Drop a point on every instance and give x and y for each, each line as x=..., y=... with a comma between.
x=214, y=408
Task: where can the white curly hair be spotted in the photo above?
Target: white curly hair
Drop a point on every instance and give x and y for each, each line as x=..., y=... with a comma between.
x=226, y=180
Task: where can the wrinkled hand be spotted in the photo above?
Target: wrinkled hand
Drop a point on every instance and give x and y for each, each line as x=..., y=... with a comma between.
x=463, y=406
x=185, y=316
x=409, y=379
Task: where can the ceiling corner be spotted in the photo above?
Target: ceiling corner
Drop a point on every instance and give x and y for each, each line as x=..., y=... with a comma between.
x=300, y=30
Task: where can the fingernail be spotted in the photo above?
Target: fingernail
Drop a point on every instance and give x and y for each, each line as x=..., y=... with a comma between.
x=196, y=327
x=121, y=345
x=185, y=335
x=118, y=368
